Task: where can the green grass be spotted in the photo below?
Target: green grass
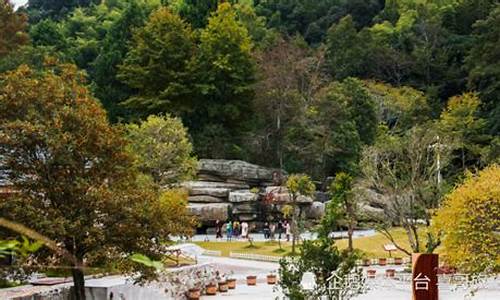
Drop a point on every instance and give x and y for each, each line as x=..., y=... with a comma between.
x=372, y=246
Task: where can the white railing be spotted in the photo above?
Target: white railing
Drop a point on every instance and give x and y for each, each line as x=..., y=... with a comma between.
x=258, y=257
x=212, y=253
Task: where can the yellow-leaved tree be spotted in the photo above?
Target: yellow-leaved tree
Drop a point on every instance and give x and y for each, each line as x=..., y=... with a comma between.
x=470, y=224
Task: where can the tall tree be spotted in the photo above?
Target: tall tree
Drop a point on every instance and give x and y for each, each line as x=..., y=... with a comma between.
x=76, y=181
x=54, y=9
x=13, y=24
x=484, y=67
x=157, y=66
x=225, y=73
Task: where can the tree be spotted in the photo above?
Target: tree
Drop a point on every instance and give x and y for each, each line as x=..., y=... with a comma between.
x=163, y=149
x=344, y=202
x=157, y=65
x=13, y=24
x=77, y=183
x=224, y=77
x=461, y=122
x=469, y=222
x=298, y=186
x=484, y=68
x=54, y=9
x=406, y=170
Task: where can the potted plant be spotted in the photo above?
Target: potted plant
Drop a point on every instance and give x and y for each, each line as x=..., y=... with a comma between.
x=211, y=289
x=390, y=273
x=271, y=278
x=251, y=280
x=194, y=293
x=398, y=260
x=231, y=282
x=371, y=273
x=382, y=261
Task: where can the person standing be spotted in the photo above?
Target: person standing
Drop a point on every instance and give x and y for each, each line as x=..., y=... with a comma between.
x=287, y=231
x=218, y=230
x=244, y=229
x=280, y=229
x=229, y=230
x=266, y=230
x=236, y=228
x=272, y=230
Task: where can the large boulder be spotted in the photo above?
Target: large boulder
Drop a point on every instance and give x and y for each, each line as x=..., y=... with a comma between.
x=203, y=185
x=205, y=199
x=242, y=196
x=210, y=211
x=235, y=170
x=244, y=208
x=281, y=195
x=214, y=192
x=315, y=211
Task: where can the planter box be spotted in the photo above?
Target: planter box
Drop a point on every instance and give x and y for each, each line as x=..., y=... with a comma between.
x=223, y=286
x=194, y=294
x=231, y=284
x=390, y=273
x=382, y=261
x=211, y=290
x=271, y=279
x=251, y=280
x=367, y=262
x=398, y=261
x=371, y=273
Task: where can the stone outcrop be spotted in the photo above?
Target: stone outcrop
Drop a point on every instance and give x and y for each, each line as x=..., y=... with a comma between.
x=233, y=188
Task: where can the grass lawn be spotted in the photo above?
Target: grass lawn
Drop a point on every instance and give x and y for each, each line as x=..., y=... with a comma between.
x=372, y=246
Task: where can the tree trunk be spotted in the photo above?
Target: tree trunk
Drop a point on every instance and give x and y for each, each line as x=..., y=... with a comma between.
x=78, y=283
x=350, y=232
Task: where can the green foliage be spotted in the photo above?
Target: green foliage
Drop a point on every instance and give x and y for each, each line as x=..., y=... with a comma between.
x=54, y=9
x=77, y=183
x=469, y=221
x=24, y=248
x=157, y=65
x=224, y=72
x=13, y=26
x=321, y=257
x=163, y=149
x=146, y=261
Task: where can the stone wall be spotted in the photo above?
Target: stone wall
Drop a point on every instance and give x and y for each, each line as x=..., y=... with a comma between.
x=236, y=189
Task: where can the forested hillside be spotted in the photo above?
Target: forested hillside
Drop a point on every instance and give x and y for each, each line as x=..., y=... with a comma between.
x=368, y=87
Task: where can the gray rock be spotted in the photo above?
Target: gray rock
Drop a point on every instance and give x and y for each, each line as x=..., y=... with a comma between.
x=235, y=170
x=244, y=208
x=321, y=197
x=247, y=217
x=281, y=195
x=242, y=196
x=194, y=185
x=315, y=211
x=214, y=192
x=210, y=211
x=205, y=199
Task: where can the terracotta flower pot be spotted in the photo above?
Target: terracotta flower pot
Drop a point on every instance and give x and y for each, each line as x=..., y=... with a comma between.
x=398, y=261
x=194, y=294
x=367, y=262
x=231, y=284
x=271, y=279
x=251, y=280
x=371, y=273
x=223, y=286
x=382, y=261
x=211, y=289
x=390, y=273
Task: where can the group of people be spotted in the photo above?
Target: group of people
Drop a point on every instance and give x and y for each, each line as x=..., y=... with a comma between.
x=235, y=229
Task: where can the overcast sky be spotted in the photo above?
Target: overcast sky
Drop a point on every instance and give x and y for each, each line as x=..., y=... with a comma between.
x=19, y=2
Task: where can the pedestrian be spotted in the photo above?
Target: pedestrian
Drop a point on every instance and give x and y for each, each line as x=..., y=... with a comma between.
x=280, y=228
x=272, y=230
x=287, y=230
x=244, y=229
x=266, y=230
x=229, y=230
x=236, y=229
x=218, y=230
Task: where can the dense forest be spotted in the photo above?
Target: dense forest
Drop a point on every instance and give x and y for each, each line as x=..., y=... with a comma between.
x=317, y=87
